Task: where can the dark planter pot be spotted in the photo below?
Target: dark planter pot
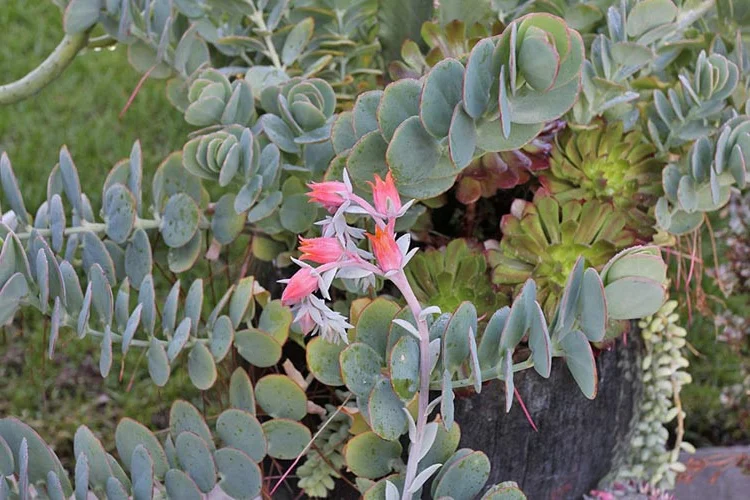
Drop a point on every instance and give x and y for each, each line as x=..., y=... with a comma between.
x=579, y=440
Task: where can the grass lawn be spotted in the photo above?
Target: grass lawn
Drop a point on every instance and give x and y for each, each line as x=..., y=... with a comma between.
x=81, y=110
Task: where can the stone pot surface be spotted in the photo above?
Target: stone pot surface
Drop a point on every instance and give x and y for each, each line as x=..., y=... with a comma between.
x=579, y=440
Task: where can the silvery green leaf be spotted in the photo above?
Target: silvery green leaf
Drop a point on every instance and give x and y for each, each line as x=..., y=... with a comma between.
x=95, y=253
x=220, y=305
x=54, y=487
x=122, y=304
x=42, y=280
x=83, y=316
x=446, y=400
x=580, y=361
x=54, y=327
x=135, y=178
x=115, y=490
x=297, y=40
x=169, y=312
x=80, y=15
x=240, y=475
x=442, y=91
x=400, y=101
x=158, y=362
x=131, y=327
x=462, y=138
x=10, y=188
x=180, y=220
x=82, y=477
x=364, y=113
x=265, y=207
x=56, y=222
x=142, y=473
x=180, y=338
x=119, y=212
x=86, y=443
x=23, y=470
x=146, y=298
x=105, y=356
x=386, y=416
x=138, y=258
x=196, y=458
x=248, y=195
x=422, y=477
x=131, y=435
x=241, y=392
x=279, y=133
x=508, y=378
x=241, y=430
x=201, y=367
x=286, y=438
x=478, y=80
x=184, y=258
x=194, y=304
x=102, y=298
x=70, y=181
x=227, y=223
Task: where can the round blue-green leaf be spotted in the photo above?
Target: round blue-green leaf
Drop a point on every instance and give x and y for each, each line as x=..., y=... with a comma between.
x=592, y=306
x=375, y=322
x=286, y=438
x=463, y=478
x=281, y=397
x=129, y=435
x=455, y=342
x=400, y=101
x=297, y=40
x=201, y=367
x=56, y=222
x=95, y=253
x=490, y=136
x=119, y=212
x=196, y=459
x=360, y=368
x=370, y=456
x=539, y=342
x=138, y=258
x=442, y=91
x=222, y=336
x=296, y=213
x=478, y=78
x=54, y=487
x=276, y=320
x=184, y=417
x=367, y=158
x=115, y=489
x=404, y=365
x=444, y=446
x=84, y=442
x=634, y=297
x=184, y=258
x=279, y=133
x=257, y=347
x=158, y=363
x=179, y=485
x=364, y=113
x=342, y=132
x=249, y=194
x=580, y=360
x=10, y=188
x=323, y=361
x=6, y=459
x=226, y=224
x=142, y=473
x=180, y=220
x=462, y=138
x=241, y=392
x=413, y=154
x=13, y=432
x=80, y=15
x=240, y=477
x=387, y=417
x=239, y=429
x=265, y=207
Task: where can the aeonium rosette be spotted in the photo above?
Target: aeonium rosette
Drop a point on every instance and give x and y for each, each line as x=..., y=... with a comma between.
x=338, y=252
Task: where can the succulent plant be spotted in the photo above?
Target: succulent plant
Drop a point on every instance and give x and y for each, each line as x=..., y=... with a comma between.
x=426, y=132
x=448, y=276
x=214, y=100
x=506, y=169
x=700, y=182
x=542, y=240
x=607, y=164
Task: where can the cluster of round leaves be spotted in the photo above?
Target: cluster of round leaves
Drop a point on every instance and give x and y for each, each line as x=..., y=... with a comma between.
x=702, y=181
x=426, y=131
x=187, y=463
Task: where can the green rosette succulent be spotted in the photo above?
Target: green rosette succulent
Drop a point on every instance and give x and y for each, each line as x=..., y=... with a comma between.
x=543, y=239
x=607, y=164
x=216, y=101
x=448, y=276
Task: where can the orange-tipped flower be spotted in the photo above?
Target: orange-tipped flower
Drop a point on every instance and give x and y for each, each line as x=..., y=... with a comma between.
x=320, y=250
x=384, y=246
x=385, y=195
x=327, y=194
x=302, y=284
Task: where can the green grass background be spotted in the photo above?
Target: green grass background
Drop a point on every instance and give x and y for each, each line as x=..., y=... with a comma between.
x=79, y=109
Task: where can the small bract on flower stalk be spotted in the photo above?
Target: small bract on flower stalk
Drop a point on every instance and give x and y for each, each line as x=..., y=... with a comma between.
x=339, y=253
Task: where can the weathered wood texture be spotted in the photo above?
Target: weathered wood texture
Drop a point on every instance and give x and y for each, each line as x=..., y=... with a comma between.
x=579, y=441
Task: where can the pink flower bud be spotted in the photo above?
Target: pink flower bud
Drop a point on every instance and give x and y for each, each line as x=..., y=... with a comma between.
x=302, y=284
x=387, y=253
x=385, y=196
x=328, y=194
x=320, y=250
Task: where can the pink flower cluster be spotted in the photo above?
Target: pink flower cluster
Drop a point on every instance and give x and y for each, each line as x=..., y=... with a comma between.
x=339, y=252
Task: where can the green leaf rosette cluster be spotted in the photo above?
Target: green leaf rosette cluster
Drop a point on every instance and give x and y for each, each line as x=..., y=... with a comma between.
x=542, y=240
x=610, y=165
